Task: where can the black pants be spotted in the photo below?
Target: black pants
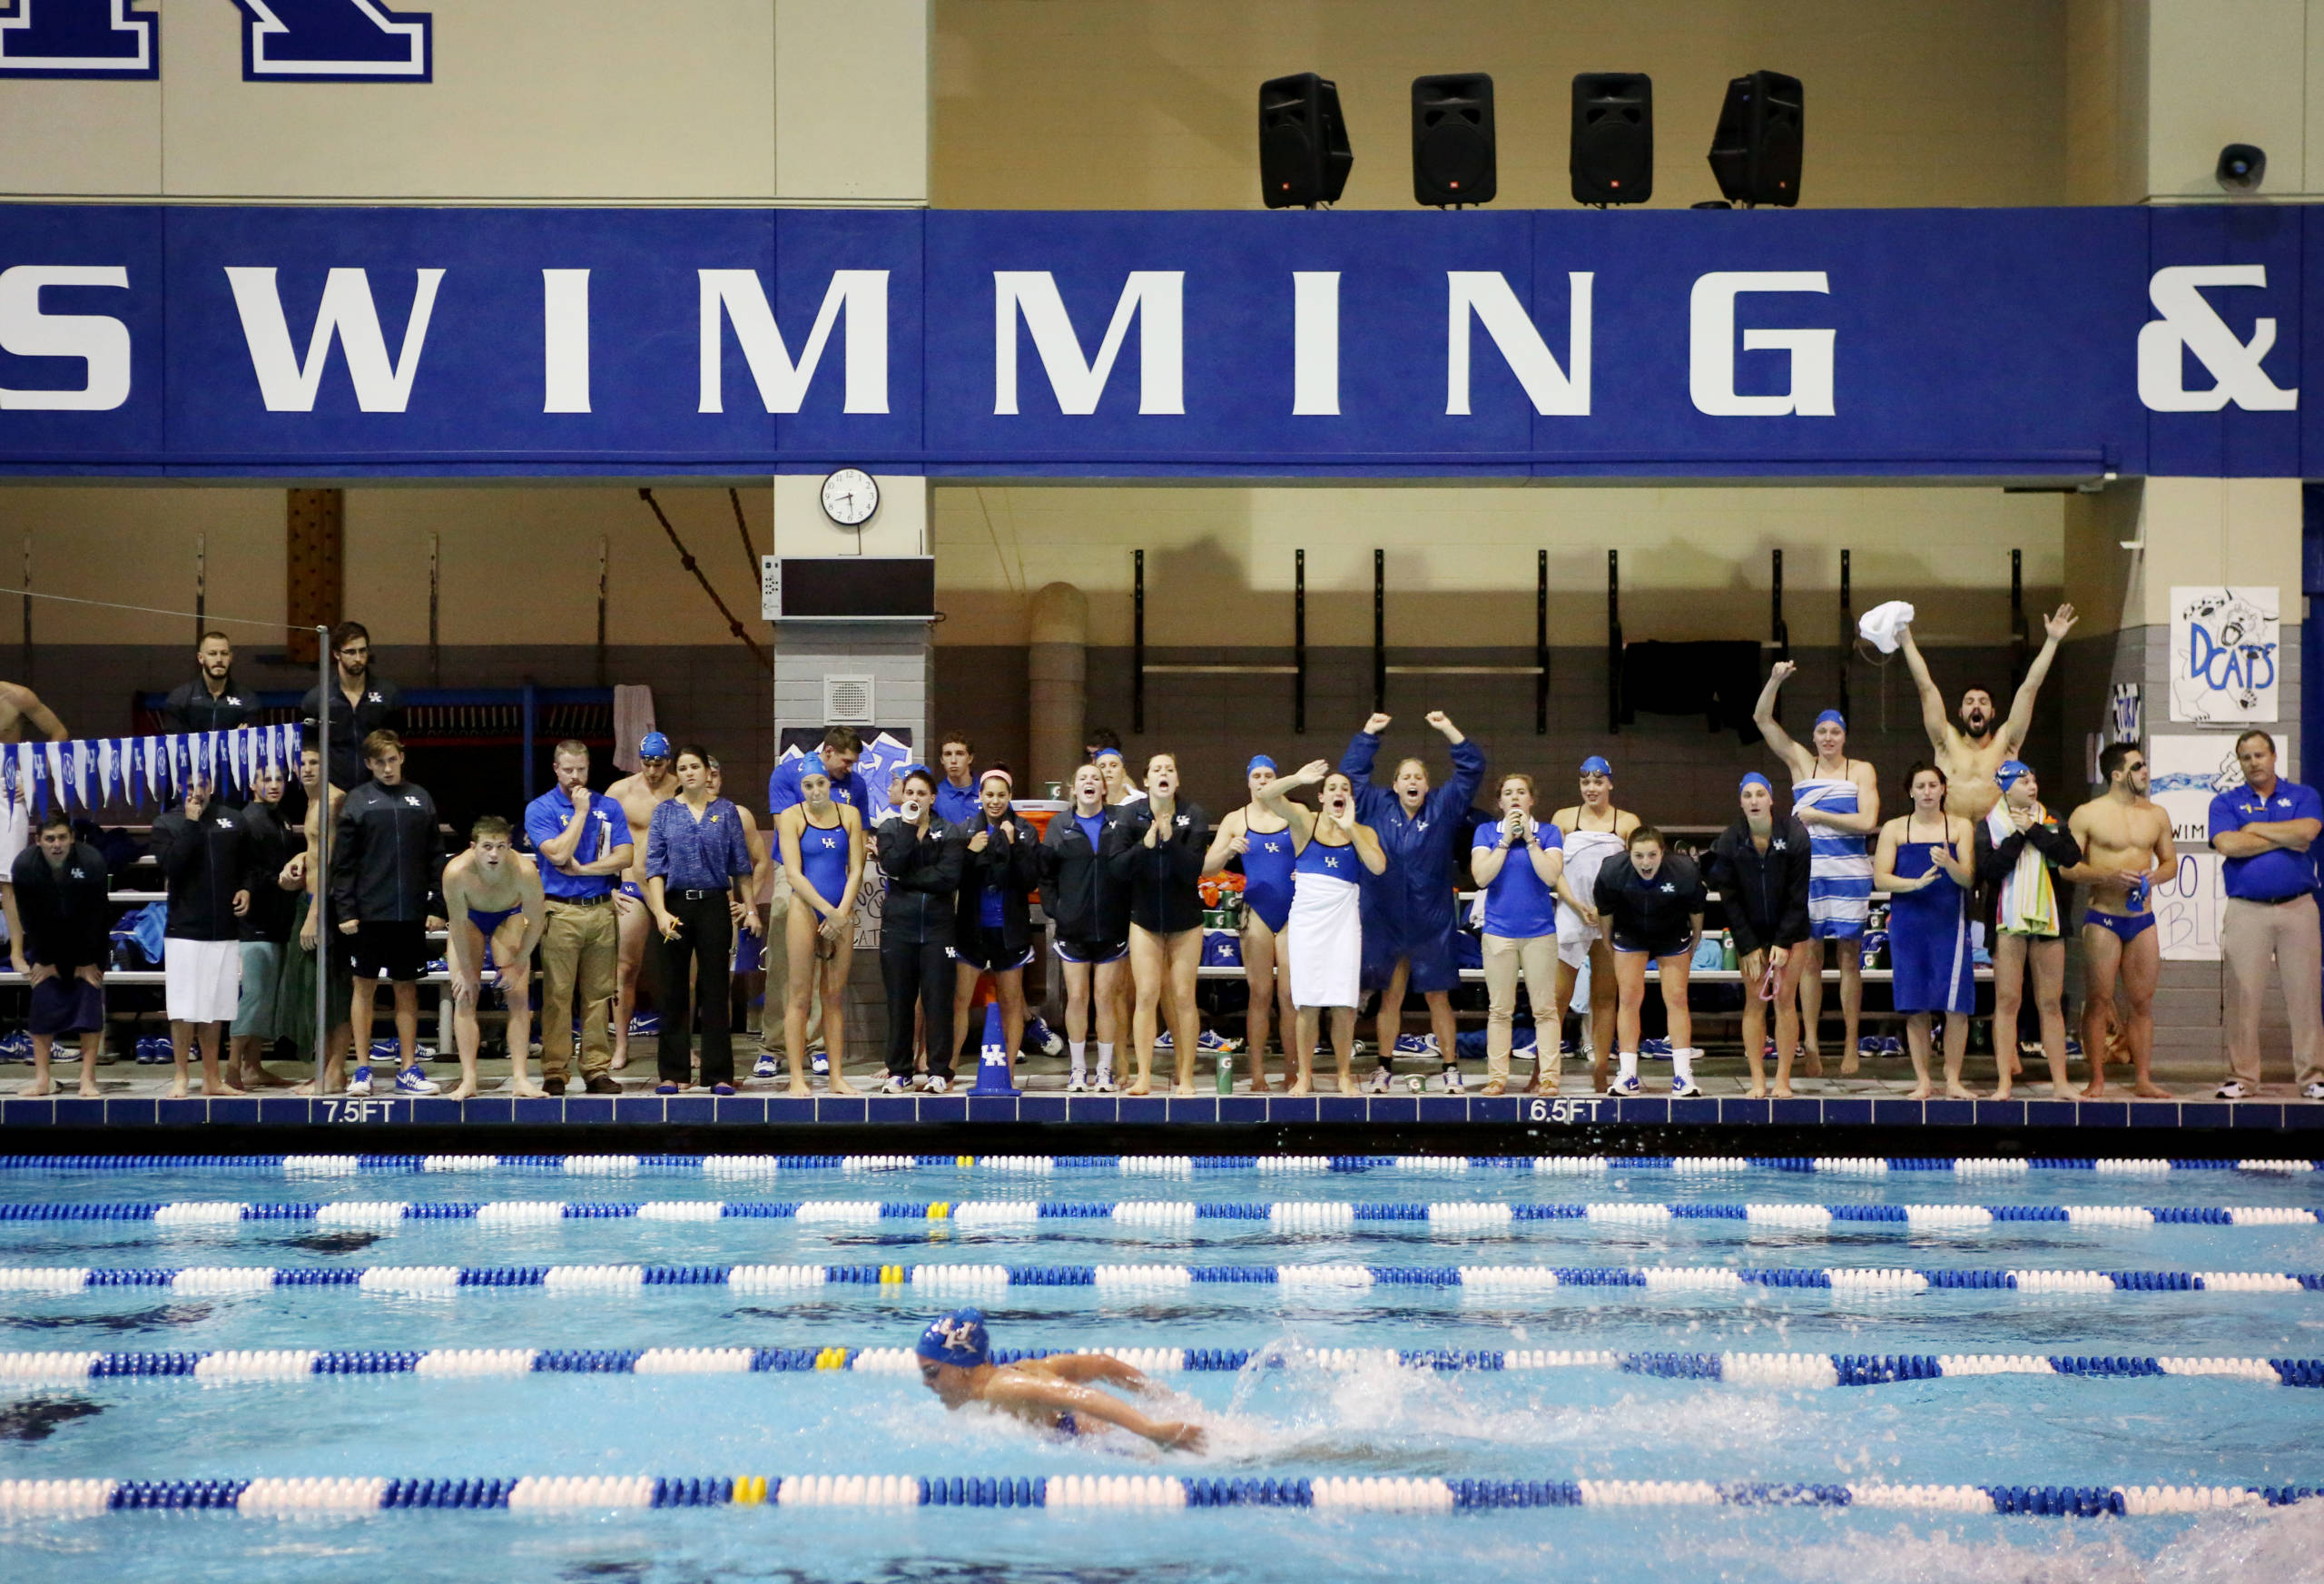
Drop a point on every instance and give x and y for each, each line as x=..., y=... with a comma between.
x=705, y=942
x=922, y=975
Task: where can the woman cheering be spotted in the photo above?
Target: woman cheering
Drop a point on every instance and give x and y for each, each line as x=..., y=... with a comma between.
x=922, y=858
x=1924, y=861
x=1325, y=917
x=697, y=872
x=1157, y=847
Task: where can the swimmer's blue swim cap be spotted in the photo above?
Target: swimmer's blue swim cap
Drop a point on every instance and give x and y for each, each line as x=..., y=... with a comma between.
x=1834, y=717
x=1258, y=762
x=2009, y=772
x=1754, y=778
x=653, y=745
x=1594, y=765
x=958, y=1338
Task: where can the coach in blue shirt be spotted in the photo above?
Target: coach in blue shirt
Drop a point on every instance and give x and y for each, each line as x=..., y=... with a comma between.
x=842, y=746
x=2264, y=829
x=581, y=843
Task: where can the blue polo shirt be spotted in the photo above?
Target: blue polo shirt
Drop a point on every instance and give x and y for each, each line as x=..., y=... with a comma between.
x=957, y=805
x=1516, y=903
x=2274, y=874
x=782, y=786
x=546, y=818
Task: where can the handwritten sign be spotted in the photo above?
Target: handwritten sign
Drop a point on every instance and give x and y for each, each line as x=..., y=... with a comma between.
x=2224, y=647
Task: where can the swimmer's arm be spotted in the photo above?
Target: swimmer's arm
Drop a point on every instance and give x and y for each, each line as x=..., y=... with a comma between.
x=1214, y=860
x=35, y=713
x=1932, y=721
x=1368, y=851
x=1884, y=861
x=1030, y=1390
x=1083, y=1368
x=2021, y=708
x=1797, y=760
x=2086, y=872
x=2166, y=852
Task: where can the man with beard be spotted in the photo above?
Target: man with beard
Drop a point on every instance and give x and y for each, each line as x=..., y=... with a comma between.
x=1971, y=752
x=211, y=702
x=2125, y=839
x=366, y=702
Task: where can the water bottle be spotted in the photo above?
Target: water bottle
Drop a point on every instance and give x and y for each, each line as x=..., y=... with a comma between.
x=1226, y=1072
x=1726, y=957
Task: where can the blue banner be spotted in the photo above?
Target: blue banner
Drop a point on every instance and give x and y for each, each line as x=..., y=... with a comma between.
x=238, y=342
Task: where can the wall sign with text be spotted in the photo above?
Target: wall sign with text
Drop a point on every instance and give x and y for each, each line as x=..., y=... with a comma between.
x=205, y=342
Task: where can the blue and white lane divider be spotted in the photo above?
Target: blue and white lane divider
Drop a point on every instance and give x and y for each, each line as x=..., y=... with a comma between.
x=750, y=1167
x=1291, y=1216
x=1796, y=1370
x=1358, y=1493
x=1306, y=1280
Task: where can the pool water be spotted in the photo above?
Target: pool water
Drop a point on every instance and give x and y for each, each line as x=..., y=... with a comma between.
x=1624, y=1322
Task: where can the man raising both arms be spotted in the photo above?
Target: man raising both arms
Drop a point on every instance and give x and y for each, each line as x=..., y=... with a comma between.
x=492, y=901
x=2125, y=842
x=1971, y=752
x=638, y=795
x=1837, y=799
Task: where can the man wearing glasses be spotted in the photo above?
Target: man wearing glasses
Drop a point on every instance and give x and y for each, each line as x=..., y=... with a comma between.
x=364, y=703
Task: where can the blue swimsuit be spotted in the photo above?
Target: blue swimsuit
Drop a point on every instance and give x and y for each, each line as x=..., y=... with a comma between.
x=822, y=858
x=1266, y=877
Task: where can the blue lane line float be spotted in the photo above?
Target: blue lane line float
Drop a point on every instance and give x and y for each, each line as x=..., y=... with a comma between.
x=928, y=1280
x=284, y=1365
x=1071, y=1493
x=1302, y=1217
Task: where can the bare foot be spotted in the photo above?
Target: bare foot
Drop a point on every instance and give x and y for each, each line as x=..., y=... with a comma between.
x=1756, y=1092
x=620, y=1060
x=1781, y=1091
x=1297, y=1091
x=2097, y=1089
x=35, y=1087
x=800, y=1091
x=1920, y=1092
x=2062, y=1091
x=225, y=1086
x=527, y=1090
x=839, y=1086
x=1184, y=1091
x=177, y=1089
x=1495, y=1086
x=88, y=1090
x=1811, y=1064
x=258, y=1077
x=1139, y=1088
x=463, y=1089
x=2001, y=1091
x=1959, y=1092
x=2150, y=1091
x=1848, y=1064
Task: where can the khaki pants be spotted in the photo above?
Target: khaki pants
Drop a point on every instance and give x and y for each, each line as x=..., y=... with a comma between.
x=2250, y=934
x=578, y=946
x=1537, y=956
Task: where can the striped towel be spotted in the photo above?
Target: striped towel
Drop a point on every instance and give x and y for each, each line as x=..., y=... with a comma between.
x=1839, y=865
x=2028, y=902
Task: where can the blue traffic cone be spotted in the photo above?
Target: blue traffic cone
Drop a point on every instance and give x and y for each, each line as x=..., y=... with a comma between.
x=992, y=1063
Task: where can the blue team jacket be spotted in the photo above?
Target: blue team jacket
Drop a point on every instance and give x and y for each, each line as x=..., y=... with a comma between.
x=1413, y=899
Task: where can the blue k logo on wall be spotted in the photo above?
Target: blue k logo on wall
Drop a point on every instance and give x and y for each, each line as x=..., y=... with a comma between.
x=283, y=41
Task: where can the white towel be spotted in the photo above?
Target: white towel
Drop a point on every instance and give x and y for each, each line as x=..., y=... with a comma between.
x=1880, y=625
x=633, y=718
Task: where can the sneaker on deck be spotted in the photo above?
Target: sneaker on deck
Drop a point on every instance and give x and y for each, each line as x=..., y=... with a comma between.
x=1076, y=1084
x=895, y=1083
x=1415, y=1045
x=1162, y=1039
x=386, y=1050
x=1040, y=1039
x=1570, y=1046
x=1449, y=1081
x=1685, y=1091
x=938, y=1085
x=1103, y=1083
x=412, y=1081
x=1626, y=1085
x=1379, y=1080
x=819, y=1063
x=1211, y=1040
x=359, y=1082
x=765, y=1067
x=2232, y=1090
x=645, y=1023
x=1660, y=1048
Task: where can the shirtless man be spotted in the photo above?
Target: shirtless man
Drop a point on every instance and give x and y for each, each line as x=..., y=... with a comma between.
x=19, y=706
x=638, y=795
x=492, y=898
x=1970, y=753
x=2125, y=842
x=301, y=871
x=955, y=1359
x=1602, y=831
x=1839, y=800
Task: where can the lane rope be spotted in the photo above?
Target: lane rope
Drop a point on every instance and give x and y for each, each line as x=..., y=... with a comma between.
x=1306, y=1279
x=1787, y=1370
x=1372, y=1493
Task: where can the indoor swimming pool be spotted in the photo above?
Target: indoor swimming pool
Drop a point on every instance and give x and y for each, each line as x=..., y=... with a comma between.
x=686, y=1367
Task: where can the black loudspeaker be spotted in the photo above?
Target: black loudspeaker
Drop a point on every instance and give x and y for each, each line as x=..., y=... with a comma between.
x=1304, y=156
x=1611, y=157
x=1454, y=160
x=1756, y=151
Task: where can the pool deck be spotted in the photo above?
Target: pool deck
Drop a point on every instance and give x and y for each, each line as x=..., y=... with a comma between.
x=135, y=1106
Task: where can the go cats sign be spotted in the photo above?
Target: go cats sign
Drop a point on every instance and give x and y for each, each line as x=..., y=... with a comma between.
x=2224, y=652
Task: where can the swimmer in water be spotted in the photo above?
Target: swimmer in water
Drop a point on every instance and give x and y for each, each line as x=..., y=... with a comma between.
x=956, y=1364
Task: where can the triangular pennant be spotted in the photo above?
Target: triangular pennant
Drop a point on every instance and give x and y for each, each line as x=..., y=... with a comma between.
x=55, y=756
x=81, y=766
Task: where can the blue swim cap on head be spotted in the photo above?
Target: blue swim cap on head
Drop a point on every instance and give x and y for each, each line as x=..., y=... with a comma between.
x=1755, y=779
x=1834, y=716
x=1593, y=765
x=653, y=745
x=1258, y=762
x=2009, y=773
x=1105, y=754
x=958, y=1338
x=914, y=769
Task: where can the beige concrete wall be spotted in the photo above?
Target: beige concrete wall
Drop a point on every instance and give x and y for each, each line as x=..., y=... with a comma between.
x=519, y=564
x=1461, y=561
x=572, y=100
x=1152, y=103
x=2220, y=72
